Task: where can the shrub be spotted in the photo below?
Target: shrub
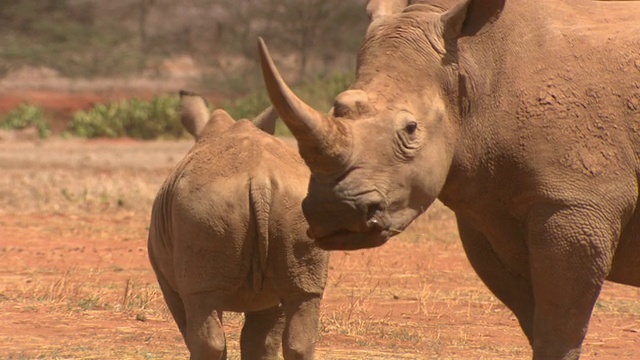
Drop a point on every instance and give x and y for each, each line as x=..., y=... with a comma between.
x=247, y=107
x=24, y=116
x=320, y=92
x=157, y=118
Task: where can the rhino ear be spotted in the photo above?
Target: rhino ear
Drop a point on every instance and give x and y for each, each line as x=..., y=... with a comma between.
x=266, y=121
x=470, y=17
x=379, y=8
x=194, y=112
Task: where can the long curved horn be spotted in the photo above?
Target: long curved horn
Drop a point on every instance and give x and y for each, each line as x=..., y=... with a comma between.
x=323, y=142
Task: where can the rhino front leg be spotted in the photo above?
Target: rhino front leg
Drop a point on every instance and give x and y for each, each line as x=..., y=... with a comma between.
x=262, y=334
x=301, y=327
x=570, y=255
x=513, y=290
x=205, y=334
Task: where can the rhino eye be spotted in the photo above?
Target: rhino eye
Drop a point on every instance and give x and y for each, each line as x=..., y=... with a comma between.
x=407, y=139
x=411, y=127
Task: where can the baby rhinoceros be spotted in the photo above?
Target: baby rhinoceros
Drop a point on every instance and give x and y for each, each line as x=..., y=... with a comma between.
x=227, y=234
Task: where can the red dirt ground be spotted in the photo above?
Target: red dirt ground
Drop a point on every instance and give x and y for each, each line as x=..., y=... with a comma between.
x=75, y=281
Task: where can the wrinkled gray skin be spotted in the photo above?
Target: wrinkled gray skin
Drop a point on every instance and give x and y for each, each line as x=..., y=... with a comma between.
x=227, y=234
x=523, y=118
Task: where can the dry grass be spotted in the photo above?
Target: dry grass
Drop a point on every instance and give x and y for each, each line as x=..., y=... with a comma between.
x=96, y=177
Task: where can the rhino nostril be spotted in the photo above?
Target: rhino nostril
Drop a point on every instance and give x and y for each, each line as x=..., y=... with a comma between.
x=372, y=209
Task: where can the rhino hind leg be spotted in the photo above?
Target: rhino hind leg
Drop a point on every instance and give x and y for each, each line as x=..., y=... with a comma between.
x=261, y=335
x=205, y=334
x=174, y=303
x=171, y=297
x=301, y=326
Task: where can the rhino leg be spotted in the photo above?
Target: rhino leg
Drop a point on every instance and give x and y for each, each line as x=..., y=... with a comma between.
x=171, y=297
x=205, y=334
x=301, y=326
x=261, y=335
x=514, y=291
x=175, y=305
x=570, y=252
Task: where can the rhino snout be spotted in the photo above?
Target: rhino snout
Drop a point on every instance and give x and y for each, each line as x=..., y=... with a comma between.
x=376, y=218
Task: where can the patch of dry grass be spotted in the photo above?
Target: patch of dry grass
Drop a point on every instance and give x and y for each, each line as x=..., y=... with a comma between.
x=81, y=177
x=79, y=290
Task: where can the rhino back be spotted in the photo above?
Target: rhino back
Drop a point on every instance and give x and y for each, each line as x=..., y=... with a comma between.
x=225, y=192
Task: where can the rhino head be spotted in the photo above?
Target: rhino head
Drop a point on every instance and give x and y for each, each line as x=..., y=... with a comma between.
x=382, y=155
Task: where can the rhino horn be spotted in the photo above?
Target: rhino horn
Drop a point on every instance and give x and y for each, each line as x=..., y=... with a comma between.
x=323, y=141
x=266, y=121
x=352, y=104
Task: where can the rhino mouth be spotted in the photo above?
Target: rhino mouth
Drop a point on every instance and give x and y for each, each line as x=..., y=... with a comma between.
x=353, y=240
x=373, y=232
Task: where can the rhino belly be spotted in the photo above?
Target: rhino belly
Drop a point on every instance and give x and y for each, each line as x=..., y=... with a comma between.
x=246, y=299
x=218, y=271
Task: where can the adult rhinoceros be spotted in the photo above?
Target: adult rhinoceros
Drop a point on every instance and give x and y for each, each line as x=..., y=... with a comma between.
x=522, y=117
x=227, y=234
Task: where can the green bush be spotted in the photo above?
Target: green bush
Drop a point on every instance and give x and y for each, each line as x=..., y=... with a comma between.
x=24, y=116
x=157, y=118
x=321, y=91
x=247, y=107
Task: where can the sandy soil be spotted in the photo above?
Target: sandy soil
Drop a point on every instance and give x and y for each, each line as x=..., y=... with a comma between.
x=75, y=281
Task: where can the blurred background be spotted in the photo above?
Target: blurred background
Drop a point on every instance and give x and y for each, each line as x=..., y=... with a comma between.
x=61, y=56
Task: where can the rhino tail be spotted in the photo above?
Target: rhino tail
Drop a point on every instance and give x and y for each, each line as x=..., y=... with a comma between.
x=260, y=203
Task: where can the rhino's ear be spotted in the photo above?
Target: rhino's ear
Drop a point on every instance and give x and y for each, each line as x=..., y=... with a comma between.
x=266, y=121
x=194, y=112
x=470, y=17
x=379, y=8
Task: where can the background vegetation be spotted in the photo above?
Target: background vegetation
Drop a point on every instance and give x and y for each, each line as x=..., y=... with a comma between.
x=24, y=116
x=158, y=117
x=313, y=41
x=112, y=38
